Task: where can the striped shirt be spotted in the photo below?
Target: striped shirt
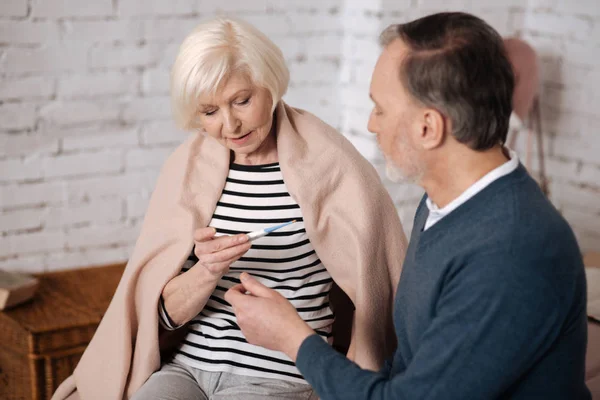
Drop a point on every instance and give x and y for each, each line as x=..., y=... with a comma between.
x=256, y=197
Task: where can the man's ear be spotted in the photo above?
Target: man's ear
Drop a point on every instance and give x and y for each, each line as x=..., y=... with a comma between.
x=433, y=129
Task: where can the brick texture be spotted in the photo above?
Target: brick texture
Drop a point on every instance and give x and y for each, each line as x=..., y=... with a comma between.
x=85, y=119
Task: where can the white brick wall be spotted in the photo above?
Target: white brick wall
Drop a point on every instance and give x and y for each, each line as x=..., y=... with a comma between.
x=27, y=195
x=131, y=182
x=83, y=164
x=153, y=8
x=102, y=31
x=26, y=88
x=17, y=116
x=569, y=37
x=51, y=58
x=122, y=138
x=69, y=113
x=85, y=116
x=95, y=85
x=20, y=32
x=72, y=8
x=13, y=8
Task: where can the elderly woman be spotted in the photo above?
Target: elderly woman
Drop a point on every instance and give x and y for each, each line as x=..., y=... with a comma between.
x=254, y=162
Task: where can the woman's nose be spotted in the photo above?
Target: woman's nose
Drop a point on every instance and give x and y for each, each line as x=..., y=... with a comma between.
x=231, y=123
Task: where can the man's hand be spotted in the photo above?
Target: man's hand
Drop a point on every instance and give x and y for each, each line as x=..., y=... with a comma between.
x=267, y=318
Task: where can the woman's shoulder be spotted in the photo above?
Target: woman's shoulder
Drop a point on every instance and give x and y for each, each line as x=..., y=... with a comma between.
x=305, y=120
x=185, y=150
x=175, y=166
x=314, y=129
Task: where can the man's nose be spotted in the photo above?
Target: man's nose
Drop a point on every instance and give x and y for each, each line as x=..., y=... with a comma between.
x=371, y=126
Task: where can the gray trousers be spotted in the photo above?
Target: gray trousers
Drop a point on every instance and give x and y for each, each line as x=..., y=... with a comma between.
x=177, y=381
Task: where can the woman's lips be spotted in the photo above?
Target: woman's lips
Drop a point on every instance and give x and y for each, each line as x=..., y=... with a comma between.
x=242, y=139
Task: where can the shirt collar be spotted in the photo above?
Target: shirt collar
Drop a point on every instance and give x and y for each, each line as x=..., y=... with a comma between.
x=478, y=186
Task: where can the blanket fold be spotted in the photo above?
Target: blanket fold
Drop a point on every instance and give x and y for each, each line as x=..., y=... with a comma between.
x=348, y=215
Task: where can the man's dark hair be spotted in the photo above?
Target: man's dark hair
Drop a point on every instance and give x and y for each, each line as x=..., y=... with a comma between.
x=457, y=64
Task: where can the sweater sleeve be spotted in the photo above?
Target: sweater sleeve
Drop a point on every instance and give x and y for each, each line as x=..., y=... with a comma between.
x=494, y=318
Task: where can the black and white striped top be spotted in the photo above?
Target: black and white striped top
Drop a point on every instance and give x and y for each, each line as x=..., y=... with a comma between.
x=255, y=197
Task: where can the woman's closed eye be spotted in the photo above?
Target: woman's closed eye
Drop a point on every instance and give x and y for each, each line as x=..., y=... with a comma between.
x=244, y=102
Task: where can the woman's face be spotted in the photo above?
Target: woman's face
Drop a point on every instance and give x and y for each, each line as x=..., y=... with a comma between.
x=238, y=115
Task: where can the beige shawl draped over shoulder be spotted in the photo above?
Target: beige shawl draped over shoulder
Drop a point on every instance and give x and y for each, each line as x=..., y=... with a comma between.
x=349, y=217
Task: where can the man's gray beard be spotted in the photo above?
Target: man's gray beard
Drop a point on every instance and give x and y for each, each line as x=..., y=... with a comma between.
x=397, y=175
x=394, y=173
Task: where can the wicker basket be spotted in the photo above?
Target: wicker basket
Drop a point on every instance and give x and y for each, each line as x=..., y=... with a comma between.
x=41, y=342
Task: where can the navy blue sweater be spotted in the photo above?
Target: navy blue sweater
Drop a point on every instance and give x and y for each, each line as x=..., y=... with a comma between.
x=491, y=304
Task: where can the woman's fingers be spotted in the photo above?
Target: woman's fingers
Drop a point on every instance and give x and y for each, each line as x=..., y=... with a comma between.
x=204, y=234
x=216, y=245
x=226, y=254
x=218, y=253
x=221, y=268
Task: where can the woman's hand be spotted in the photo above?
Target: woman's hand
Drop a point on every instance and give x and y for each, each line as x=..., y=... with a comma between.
x=186, y=294
x=217, y=254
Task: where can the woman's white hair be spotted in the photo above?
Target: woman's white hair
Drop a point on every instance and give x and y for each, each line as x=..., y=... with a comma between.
x=213, y=51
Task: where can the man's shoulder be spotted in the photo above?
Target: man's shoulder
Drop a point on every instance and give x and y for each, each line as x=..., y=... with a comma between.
x=517, y=213
x=520, y=226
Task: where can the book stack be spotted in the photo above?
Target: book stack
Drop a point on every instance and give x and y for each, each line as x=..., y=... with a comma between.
x=16, y=288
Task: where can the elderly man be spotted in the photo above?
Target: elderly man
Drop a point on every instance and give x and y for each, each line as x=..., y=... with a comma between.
x=491, y=301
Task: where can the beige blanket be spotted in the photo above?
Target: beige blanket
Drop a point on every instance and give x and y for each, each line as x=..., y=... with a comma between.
x=349, y=218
